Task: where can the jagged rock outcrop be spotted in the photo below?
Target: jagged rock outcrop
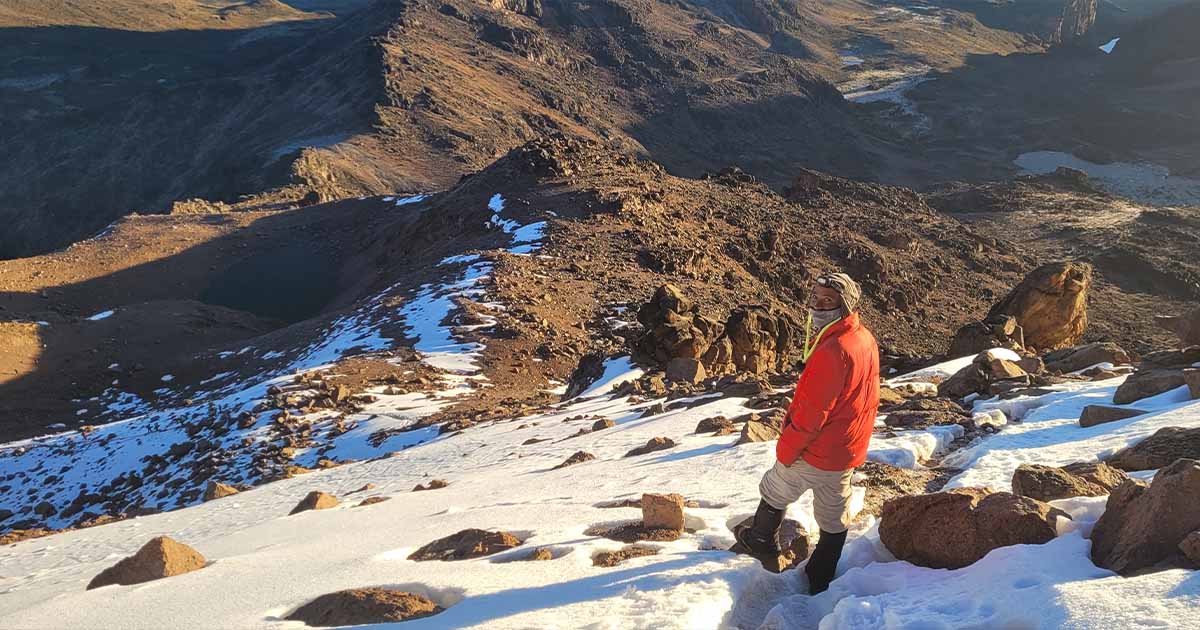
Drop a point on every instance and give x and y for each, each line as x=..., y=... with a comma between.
x=955, y=528
x=1078, y=16
x=1142, y=526
x=674, y=327
x=1050, y=304
x=1165, y=446
x=161, y=557
x=359, y=606
x=1049, y=483
x=1186, y=326
x=757, y=341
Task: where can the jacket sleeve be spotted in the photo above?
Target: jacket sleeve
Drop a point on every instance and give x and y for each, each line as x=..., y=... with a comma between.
x=817, y=392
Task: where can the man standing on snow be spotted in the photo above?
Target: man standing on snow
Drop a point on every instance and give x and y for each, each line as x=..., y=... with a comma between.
x=827, y=429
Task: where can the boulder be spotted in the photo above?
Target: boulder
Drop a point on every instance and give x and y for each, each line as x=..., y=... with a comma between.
x=674, y=327
x=757, y=340
x=315, y=500
x=466, y=544
x=684, y=370
x=1085, y=356
x=714, y=424
x=360, y=606
x=655, y=444
x=1142, y=526
x=662, y=511
x=578, y=458
x=603, y=423
x=759, y=432
x=793, y=541
x=1190, y=547
x=1001, y=331
x=1050, y=483
x=1165, y=446
x=1100, y=414
x=1147, y=383
x=1180, y=359
x=161, y=557
x=1186, y=326
x=955, y=528
x=987, y=368
x=1050, y=304
x=217, y=490
x=589, y=370
x=1192, y=378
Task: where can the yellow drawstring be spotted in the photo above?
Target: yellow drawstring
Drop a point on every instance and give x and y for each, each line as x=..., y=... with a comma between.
x=810, y=347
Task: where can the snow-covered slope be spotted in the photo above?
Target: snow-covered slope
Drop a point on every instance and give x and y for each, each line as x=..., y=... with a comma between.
x=265, y=563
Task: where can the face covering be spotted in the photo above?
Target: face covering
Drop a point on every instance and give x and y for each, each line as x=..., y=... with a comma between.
x=821, y=319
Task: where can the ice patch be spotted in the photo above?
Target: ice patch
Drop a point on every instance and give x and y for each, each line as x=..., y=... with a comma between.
x=102, y=315
x=1108, y=48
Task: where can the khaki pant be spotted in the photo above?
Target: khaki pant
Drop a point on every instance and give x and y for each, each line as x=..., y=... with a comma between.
x=784, y=485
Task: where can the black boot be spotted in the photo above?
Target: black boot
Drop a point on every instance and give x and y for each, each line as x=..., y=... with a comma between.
x=823, y=563
x=762, y=538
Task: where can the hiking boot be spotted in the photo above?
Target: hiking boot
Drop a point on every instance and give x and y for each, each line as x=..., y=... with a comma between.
x=823, y=563
x=762, y=538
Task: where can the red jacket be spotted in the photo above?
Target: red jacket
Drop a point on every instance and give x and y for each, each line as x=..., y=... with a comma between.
x=833, y=412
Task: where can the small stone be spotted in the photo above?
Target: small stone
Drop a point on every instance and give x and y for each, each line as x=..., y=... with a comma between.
x=655, y=444
x=603, y=423
x=1093, y=415
x=540, y=554
x=217, y=490
x=372, y=500
x=662, y=511
x=466, y=544
x=436, y=484
x=362, y=606
x=712, y=425
x=316, y=500
x=578, y=458
x=613, y=558
x=758, y=432
x=161, y=557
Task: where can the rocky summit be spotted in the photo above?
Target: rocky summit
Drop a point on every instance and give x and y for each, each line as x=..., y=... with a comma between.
x=495, y=314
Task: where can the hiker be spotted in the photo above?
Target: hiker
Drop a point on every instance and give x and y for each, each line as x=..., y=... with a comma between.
x=827, y=429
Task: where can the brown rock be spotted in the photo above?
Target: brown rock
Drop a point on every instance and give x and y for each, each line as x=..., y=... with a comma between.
x=613, y=558
x=1192, y=378
x=372, y=501
x=1085, y=356
x=655, y=444
x=904, y=419
x=1190, y=547
x=685, y=370
x=996, y=332
x=603, y=423
x=466, y=544
x=578, y=458
x=1146, y=383
x=955, y=528
x=1050, y=304
x=889, y=397
x=662, y=511
x=793, y=540
x=1186, y=326
x=217, y=490
x=1143, y=526
x=674, y=327
x=161, y=557
x=711, y=425
x=364, y=606
x=757, y=340
x=1165, y=446
x=541, y=554
x=1180, y=359
x=1048, y=483
x=436, y=484
x=1100, y=414
x=316, y=500
x=759, y=432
